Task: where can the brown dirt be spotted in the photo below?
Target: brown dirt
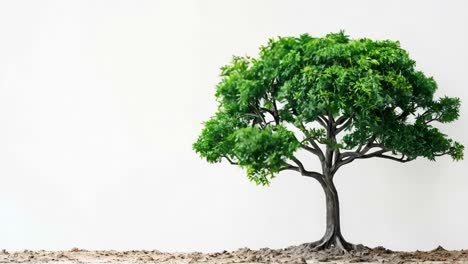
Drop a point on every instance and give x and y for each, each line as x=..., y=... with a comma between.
x=295, y=255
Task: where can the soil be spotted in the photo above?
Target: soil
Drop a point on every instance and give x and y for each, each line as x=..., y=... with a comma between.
x=294, y=255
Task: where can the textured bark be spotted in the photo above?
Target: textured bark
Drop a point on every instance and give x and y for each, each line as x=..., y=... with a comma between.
x=332, y=239
x=331, y=159
x=333, y=236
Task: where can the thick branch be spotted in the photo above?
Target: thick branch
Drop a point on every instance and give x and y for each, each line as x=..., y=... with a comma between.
x=340, y=120
x=375, y=154
x=299, y=164
x=303, y=171
x=322, y=121
x=360, y=153
x=329, y=152
x=360, y=150
x=344, y=126
x=337, y=156
x=311, y=150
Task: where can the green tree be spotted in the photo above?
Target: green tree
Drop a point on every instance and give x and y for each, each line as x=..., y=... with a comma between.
x=337, y=98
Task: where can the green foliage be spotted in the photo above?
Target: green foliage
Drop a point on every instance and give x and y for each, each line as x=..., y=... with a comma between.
x=216, y=140
x=296, y=80
x=318, y=134
x=263, y=151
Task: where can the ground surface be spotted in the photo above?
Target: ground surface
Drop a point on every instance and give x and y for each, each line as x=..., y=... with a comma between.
x=295, y=255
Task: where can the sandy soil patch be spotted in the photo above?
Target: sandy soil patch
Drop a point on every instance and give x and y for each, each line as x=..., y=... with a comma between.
x=295, y=255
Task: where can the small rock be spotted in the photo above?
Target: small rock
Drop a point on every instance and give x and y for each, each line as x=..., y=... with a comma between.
x=361, y=247
x=74, y=249
x=439, y=248
x=214, y=255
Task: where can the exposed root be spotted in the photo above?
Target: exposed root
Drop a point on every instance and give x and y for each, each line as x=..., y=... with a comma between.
x=334, y=243
x=312, y=245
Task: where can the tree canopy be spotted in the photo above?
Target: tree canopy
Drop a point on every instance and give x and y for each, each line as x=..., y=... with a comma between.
x=329, y=95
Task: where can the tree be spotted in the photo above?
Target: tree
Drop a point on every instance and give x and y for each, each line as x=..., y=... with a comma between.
x=337, y=98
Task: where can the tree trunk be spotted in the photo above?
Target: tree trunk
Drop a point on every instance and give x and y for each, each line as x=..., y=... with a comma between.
x=332, y=239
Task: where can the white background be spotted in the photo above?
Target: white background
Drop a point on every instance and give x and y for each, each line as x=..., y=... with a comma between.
x=100, y=102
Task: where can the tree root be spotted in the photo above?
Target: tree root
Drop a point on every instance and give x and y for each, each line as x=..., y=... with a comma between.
x=335, y=243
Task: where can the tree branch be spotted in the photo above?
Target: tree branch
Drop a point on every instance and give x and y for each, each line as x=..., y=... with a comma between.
x=331, y=138
x=268, y=111
x=312, y=150
x=290, y=167
x=275, y=110
x=299, y=164
x=259, y=114
x=407, y=112
x=316, y=148
x=401, y=159
x=230, y=161
x=375, y=154
x=322, y=121
x=442, y=154
x=360, y=153
x=304, y=172
x=344, y=126
x=360, y=150
x=340, y=120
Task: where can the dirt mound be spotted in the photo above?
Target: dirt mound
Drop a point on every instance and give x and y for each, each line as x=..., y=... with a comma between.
x=300, y=254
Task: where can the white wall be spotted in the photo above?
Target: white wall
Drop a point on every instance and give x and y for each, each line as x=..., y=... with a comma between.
x=101, y=101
